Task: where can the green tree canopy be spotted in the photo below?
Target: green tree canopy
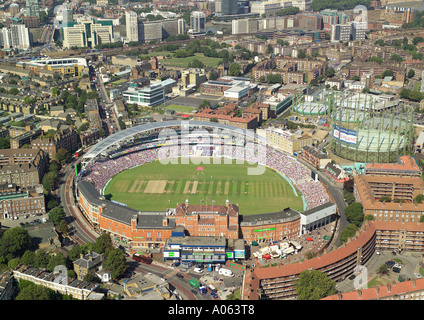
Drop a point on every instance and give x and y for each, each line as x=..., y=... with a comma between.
x=14, y=242
x=355, y=213
x=235, y=70
x=103, y=244
x=348, y=232
x=116, y=263
x=314, y=285
x=56, y=215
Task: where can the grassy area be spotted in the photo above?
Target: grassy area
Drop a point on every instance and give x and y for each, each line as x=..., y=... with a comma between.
x=174, y=183
x=184, y=62
x=378, y=281
x=159, y=53
x=181, y=109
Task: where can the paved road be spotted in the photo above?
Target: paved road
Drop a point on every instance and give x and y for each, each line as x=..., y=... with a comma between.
x=82, y=233
x=337, y=194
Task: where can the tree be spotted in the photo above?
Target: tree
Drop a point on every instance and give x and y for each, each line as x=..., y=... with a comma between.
x=28, y=258
x=387, y=73
x=5, y=143
x=348, y=232
x=204, y=104
x=103, y=244
x=411, y=73
x=419, y=198
x=116, y=263
x=75, y=252
x=369, y=217
x=330, y=72
x=56, y=215
x=41, y=259
x=62, y=155
x=383, y=269
x=196, y=63
x=63, y=227
x=48, y=180
x=349, y=197
x=355, y=213
x=213, y=75
x=395, y=57
x=301, y=54
x=57, y=260
x=34, y=292
x=314, y=285
x=14, y=242
x=235, y=70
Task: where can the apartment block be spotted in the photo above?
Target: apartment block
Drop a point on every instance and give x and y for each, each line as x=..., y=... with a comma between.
x=87, y=33
x=19, y=203
x=23, y=167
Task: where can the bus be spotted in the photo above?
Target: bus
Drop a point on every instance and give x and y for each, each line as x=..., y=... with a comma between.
x=78, y=153
x=142, y=258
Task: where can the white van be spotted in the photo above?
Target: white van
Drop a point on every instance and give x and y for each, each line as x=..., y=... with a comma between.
x=212, y=288
x=198, y=270
x=226, y=272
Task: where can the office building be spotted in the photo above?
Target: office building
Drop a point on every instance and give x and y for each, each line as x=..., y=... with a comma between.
x=269, y=7
x=149, y=96
x=227, y=7
x=87, y=33
x=150, y=31
x=169, y=28
x=131, y=24
x=198, y=22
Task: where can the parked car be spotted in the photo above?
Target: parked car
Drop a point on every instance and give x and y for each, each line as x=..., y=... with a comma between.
x=194, y=292
x=390, y=264
x=352, y=277
x=179, y=275
x=214, y=295
x=417, y=275
x=396, y=269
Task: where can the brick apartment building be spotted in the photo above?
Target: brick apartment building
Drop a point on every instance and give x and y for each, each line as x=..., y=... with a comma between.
x=67, y=139
x=249, y=122
x=21, y=203
x=314, y=156
x=278, y=282
x=209, y=220
x=23, y=167
x=397, y=196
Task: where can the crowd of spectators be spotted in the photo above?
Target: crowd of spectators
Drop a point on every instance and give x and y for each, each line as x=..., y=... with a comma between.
x=100, y=172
